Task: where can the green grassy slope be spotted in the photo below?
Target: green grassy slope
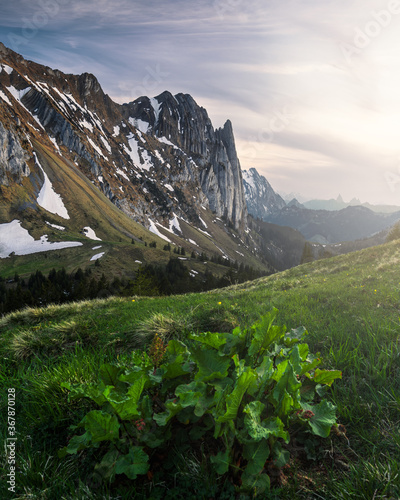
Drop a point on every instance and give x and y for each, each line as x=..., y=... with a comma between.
x=349, y=304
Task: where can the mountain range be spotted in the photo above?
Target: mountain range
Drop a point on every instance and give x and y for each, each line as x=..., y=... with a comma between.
x=85, y=179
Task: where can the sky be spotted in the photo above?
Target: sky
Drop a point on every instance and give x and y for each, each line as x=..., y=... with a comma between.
x=311, y=87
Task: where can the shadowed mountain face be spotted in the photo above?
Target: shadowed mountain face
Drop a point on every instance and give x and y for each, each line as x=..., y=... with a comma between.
x=155, y=158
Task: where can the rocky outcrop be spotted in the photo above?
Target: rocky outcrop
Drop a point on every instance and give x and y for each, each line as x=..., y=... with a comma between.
x=260, y=197
x=57, y=124
x=13, y=158
x=222, y=182
x=208, y=154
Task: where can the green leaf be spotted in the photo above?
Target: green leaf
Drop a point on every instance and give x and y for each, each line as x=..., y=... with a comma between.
x=309, y=366
x=93, y=392
x=132, y=375
x=76, y=444
x=156, y=376
x=287, y=385
x=172, y=409
x=324, y=417
x=204, y=403
x=221, y=462
x=256, y=455
x=176, y=348
x=215, y=340
x=234, y=399
x=235, y=342
x=295, y=360
x=176, y=360
x=280, y=456
x=252, y=420
x=189, y=394
x=307, y=391
x=326, y=376
x=126, y=406
x=133, y=464
x=285, y=405
x=303, y=350
x=257, y=484
x=258, y=430
x=280, y=370
x=210, y=364
x=109, y=374
x=264, y=333
x=101, y=426
x=106, y=468
x=240, y=365
x=295, y=336
x=266, y=368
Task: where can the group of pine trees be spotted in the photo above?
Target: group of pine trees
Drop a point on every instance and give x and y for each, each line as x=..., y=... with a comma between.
x=150, y=280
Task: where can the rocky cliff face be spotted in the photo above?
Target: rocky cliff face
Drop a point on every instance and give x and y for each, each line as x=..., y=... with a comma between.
x=13, y=158
x=155, y=158
x=179, y=121
x=260, y=197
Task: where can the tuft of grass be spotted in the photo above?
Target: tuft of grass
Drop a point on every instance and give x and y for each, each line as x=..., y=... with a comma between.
x=215, y=319
x=165, y=325
x=53, y=341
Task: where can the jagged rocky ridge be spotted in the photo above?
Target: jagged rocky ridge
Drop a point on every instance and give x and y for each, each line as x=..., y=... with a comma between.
x=157, y=159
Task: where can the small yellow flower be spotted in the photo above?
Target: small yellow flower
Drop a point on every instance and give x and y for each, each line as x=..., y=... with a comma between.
x=133, y=300
x=219, y=303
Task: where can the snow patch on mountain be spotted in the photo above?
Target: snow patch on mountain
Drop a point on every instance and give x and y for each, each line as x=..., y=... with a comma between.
x=55, y=226
x=174, y=225
x=156, y=107
x=48, y=198
x=139, y=124
x=7, y=69
x=153, y=228
x=96, y=148
x=14, y=238
x=5, y=98
x=89, y=233
x=121, y=172
x=139, y=157
x=18, y=95
x=97, y=256
x=106, y=144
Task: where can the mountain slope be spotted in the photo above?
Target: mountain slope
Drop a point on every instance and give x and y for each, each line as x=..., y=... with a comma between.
x=151, y=170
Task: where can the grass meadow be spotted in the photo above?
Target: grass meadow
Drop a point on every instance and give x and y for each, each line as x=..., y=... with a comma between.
x=350, y=306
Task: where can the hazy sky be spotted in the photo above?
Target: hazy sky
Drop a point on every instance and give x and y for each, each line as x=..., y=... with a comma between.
x=312, y=87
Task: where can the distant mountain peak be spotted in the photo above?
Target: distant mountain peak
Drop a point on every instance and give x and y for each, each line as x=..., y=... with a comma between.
x=261, y=199
x=295, y=203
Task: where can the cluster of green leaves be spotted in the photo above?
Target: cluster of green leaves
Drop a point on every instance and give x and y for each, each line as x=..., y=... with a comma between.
x=243, y=393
